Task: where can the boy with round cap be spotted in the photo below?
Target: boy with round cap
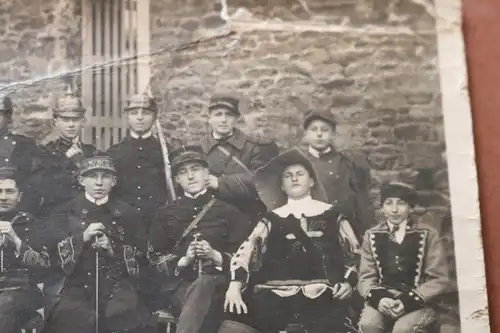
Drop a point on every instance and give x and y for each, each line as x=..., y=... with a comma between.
x=233, y=156
x=62, y=156
x=300, y=281
x=345, y=179
x=139, y=161
x=194, y=238
x=21, y=286
x=403, y=268
x=96, y=222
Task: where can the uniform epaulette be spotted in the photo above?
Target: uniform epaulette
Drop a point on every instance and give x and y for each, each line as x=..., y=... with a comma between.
x=23, y=217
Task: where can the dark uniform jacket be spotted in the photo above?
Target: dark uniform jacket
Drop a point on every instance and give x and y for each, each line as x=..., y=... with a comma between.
x=223, y=226
x=140, y=174
x=346, y=183
x=21, y=279
x=57, y=180
x=23, y=153
x=416, y=268
x=77, y=261
x=236, y=181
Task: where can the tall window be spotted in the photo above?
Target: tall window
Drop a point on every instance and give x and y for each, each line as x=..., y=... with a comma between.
x=115, y=62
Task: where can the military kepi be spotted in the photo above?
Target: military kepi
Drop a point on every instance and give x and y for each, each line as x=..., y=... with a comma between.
x=97, y=163
x=6, y=104
x=399, y=190
x=325, y=116
x=225, y=102
x=186, y=154
x=141, y=101
x=69, y=106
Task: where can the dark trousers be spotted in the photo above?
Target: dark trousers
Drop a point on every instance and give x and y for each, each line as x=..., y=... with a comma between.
x=270, y=313
x=17, y=307
x=75, y=312
x=202, y=304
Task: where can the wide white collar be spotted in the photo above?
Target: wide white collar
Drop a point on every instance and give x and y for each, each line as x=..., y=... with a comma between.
x=306, y=206
x=98, y=202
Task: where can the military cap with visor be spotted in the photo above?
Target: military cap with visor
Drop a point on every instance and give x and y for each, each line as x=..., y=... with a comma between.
x=185, y=154
x=6, y=105
x=227, y=102
x=141, y=101
x=325, y=116
x=69, y=105
x=99, y=162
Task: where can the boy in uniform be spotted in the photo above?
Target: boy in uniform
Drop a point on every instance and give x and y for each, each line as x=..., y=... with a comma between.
x=233, y=157
x=345, y=180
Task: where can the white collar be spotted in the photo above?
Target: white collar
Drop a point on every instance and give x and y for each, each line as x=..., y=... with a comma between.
x=98, y=202
x=144, y=136
x=306, y=206
x=217, y=136
x=196, y=195
x=316, y=153
x=402, y=225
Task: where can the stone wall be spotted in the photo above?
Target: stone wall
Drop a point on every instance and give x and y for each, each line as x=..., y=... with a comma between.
x=384, y=86
x=39, y=40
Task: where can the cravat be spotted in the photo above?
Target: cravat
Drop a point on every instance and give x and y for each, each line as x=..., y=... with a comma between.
x=392, y=234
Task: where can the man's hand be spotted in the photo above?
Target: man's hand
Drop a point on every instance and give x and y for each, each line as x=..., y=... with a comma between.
x=94, y=229
x=233, y=302
x=189, y=257
x=7, y=230
x=74, y=151
x=385, y=306
x=342, y=291
x=397, y=309
x=102, y=242
x=212, y=182
x=204, y=250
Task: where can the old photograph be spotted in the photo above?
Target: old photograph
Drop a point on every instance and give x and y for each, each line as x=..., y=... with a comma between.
x=237, y=166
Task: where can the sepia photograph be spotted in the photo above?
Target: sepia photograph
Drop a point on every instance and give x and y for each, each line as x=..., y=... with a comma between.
x=237, y=166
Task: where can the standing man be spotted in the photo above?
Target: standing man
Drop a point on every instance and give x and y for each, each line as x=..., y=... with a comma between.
x=139, y=160
x=20, y=288
x=345, y=180
x=21, y=152
x=94, y=222
x=195, y=237
x=233, y=157
x=62, y=157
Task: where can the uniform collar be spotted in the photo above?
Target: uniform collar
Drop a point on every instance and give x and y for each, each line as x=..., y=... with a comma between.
x=237, y=140
x=98, y=202
x=146, y=135
x=199, y=194
x=316, y=153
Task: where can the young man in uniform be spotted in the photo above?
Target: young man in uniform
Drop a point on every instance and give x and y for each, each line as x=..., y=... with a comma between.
x=195, y=237
x=140, y=168
x=345, y=180
x=403, y=268
x=62, y=156
x=21, y=286
x=96, y=243
x=20, y=152
x=233, y=157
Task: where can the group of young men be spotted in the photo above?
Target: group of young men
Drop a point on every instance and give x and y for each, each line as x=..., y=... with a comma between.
x=257, y=240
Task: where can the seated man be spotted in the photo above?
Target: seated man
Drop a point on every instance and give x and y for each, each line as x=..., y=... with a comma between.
x=20, y=282
x=301, y=282
x=97, y=243
x=403, y=268
x=194, y=238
